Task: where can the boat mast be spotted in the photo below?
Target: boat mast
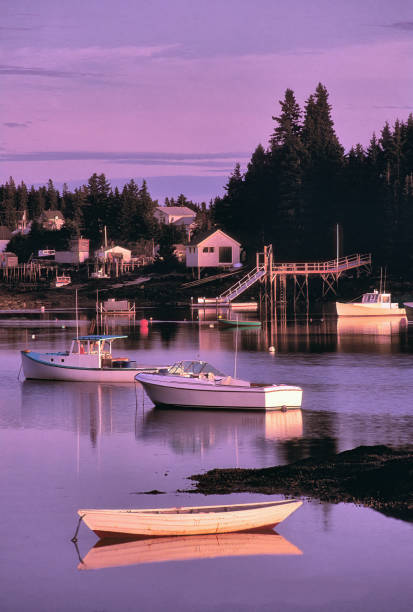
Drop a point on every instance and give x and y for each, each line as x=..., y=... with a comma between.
x=77, y=320
x=236, y=350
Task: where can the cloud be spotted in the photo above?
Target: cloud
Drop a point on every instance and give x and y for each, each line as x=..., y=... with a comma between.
x=406, y=26
x=42, y=72
x=15, y=124
x=394, y=107
x=145, y=158
x=18, y=28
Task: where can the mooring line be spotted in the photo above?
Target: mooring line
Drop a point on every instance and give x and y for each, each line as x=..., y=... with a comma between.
x=74, y=539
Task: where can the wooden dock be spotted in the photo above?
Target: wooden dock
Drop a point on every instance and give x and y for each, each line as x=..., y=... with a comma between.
x=273, y=276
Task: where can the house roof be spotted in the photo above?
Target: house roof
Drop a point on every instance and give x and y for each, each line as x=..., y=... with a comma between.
x=52, y=214
x=183, y=221
x=182, y=211
x=5, y=233
x=201, y=236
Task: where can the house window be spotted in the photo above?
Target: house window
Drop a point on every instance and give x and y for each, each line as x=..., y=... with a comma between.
x=225, y=254
x=208, y=249
x=205, y=249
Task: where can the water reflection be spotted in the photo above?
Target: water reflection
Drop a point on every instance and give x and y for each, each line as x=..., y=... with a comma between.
x=193, y=432
x=156, y=550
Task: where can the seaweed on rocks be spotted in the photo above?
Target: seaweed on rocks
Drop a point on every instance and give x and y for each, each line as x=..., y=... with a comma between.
x=378, y=477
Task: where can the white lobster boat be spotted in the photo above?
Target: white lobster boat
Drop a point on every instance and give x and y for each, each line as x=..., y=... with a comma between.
x=197, y=384
x=372, y=304
x=89, y=359
x=192, y=520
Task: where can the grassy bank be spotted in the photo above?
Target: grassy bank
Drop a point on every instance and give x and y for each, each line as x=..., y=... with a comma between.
x=378, y=477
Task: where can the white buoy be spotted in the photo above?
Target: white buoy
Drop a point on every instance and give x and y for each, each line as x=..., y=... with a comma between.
x=272, y=349
x=33, y=336
x=211, y=325
x=63, y=326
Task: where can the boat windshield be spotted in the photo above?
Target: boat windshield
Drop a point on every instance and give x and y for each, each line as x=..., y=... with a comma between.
x=376, y=298
x=370, y=298
x=193, y=368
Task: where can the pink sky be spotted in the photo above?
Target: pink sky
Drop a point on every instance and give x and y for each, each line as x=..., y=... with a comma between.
x=177, y=91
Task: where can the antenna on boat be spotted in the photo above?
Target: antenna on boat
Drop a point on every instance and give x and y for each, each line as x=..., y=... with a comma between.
x=77, y=320
x=236, y=350
x=381, y=277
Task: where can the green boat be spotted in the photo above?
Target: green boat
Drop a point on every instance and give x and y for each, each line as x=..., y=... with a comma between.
x=238, y=323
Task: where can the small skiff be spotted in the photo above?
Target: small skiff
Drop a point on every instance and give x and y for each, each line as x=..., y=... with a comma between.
x=89, y=359
x=197, y=384
x=118, y=553
x=197, y=520
x=239, y=323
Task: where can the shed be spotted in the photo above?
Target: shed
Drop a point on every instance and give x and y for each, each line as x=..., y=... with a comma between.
x=213, y=249
x=8, y=260
x=115, y=252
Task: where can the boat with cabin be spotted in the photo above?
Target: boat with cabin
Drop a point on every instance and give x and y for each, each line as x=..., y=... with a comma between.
x=197, y=384
x=62, y=281
x=88, y=359
x=372, y=304
x=185, y=521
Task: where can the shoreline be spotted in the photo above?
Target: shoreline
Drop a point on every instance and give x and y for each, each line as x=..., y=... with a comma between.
x=377, y=477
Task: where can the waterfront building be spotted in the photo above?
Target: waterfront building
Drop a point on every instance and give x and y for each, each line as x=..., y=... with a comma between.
x=213, y=249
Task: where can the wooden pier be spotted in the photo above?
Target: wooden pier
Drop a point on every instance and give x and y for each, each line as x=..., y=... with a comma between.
x=273, y=278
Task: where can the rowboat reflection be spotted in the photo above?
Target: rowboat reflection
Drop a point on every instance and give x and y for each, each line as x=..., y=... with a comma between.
x=156, y=550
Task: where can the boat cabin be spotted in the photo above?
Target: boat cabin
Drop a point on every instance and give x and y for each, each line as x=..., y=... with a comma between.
x=376, y=298
x=95, y=351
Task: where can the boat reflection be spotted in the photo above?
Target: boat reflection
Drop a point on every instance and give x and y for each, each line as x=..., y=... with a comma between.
x=377, y=326
x=111, y=553
x=194, y=431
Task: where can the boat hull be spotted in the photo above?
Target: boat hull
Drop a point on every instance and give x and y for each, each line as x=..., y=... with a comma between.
x=188, y=521
x=241, y=323
x=369, y=310
x=34, y=368
x=187, y=394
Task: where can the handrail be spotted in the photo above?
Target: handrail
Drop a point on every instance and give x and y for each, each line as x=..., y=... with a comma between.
x=333, y=265
x=242, y=281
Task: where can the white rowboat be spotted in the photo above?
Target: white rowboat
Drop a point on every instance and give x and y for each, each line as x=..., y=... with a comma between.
x=197, y=384
x=196, y=520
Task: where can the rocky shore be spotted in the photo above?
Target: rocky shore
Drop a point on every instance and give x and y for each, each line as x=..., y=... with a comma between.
x=377, y=477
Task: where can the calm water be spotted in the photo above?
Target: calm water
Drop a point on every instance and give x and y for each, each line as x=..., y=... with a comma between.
x=66, y=446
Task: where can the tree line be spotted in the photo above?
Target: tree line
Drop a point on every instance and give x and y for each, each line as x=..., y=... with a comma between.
x=127, y=214
x=296, y=191
x=294, y=194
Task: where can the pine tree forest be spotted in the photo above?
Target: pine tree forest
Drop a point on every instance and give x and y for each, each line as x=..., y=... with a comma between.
x=294, y=194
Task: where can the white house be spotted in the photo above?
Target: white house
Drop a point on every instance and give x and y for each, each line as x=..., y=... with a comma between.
x=178, y=215
x=213, y=249
x=115, y=252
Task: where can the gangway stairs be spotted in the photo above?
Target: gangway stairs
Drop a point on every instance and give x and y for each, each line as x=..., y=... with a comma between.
x=242, y=285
